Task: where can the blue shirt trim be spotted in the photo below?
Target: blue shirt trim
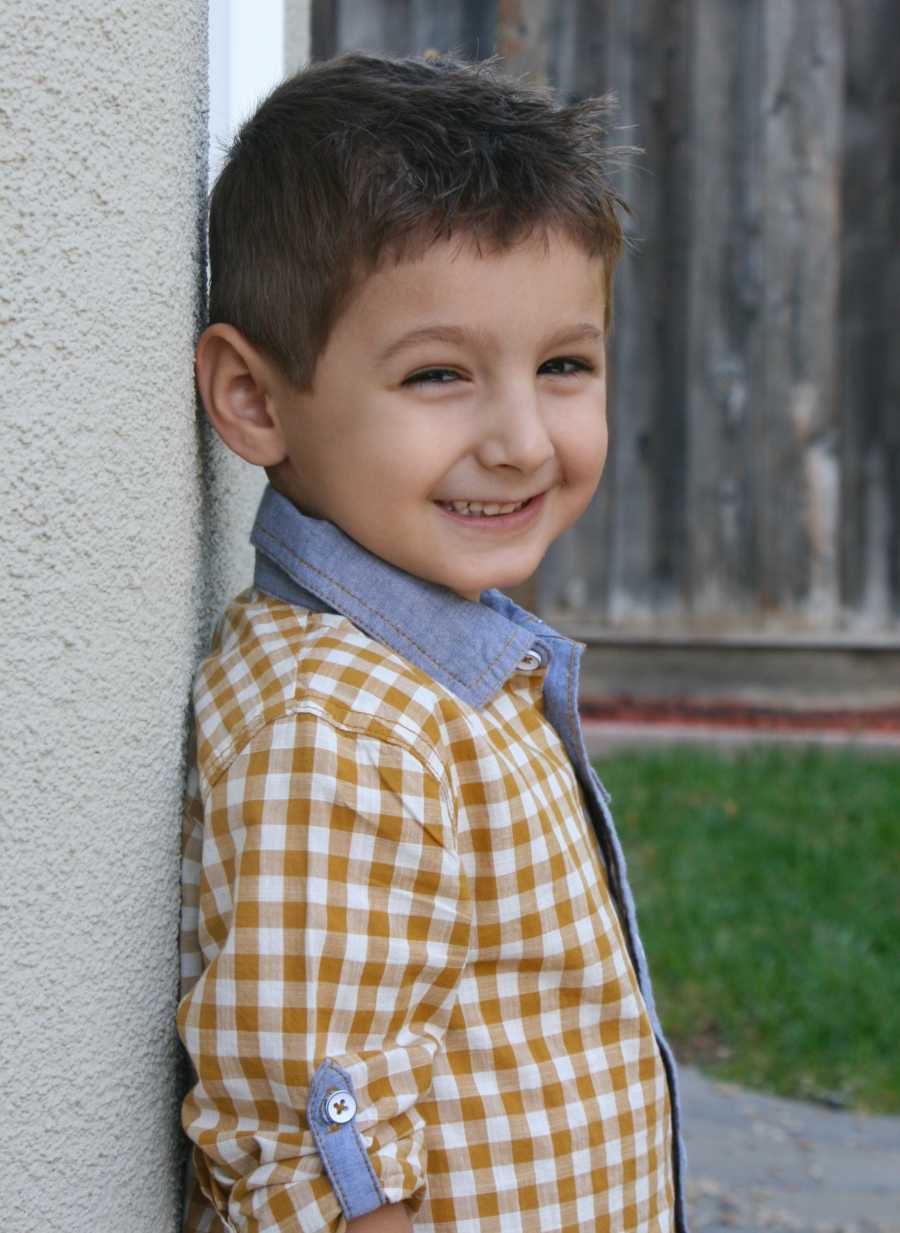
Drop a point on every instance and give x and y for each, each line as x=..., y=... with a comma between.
x=341, y=1146
x=467, y=647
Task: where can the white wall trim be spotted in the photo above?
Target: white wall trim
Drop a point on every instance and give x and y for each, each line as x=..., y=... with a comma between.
x=246, y=59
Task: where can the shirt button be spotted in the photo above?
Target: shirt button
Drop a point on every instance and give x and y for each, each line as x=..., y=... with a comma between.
x=340, y=1107
x=530, y=660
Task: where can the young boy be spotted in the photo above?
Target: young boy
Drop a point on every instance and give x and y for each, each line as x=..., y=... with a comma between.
x=414, y=988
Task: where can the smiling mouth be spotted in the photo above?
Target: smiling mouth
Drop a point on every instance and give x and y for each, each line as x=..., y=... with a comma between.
x=484, y=509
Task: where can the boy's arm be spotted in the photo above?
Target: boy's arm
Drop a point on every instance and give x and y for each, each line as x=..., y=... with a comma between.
x=334, y=921
x=394, y=1218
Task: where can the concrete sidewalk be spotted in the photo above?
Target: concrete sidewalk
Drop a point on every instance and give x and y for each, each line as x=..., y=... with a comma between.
x=760, y=1163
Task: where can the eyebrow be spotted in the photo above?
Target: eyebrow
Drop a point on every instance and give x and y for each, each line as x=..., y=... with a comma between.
x=584, y=331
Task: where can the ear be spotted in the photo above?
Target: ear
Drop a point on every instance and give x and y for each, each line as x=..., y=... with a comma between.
x=237, y=385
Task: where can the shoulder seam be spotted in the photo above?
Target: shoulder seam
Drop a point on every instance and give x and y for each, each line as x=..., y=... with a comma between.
x=316, y=705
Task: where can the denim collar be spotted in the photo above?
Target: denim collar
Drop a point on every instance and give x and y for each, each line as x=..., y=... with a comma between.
x=472, y=649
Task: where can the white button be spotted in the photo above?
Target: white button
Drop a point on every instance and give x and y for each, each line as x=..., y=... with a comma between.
x=530, y=660
x=340, y=1107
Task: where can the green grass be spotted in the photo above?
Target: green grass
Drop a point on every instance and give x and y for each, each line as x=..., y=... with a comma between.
x=768, y=893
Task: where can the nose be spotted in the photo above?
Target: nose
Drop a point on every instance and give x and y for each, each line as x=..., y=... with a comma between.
x=515, y=433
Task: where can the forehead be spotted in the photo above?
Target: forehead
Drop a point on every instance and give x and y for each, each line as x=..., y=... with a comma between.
x=527, y=288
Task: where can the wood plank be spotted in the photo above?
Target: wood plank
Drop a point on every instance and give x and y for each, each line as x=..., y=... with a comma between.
x=870, y=360
x=522, y=37
x=668, y=309
x=378, y=26
x=724, y=352
x=797, y=498
x=479, y=28
x=409, y=27
x=323, y=38
x=649, y=70
x=787, y=676
x=435, y=27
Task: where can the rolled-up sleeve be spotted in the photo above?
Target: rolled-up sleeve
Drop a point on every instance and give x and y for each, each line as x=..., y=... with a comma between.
x=333, y=922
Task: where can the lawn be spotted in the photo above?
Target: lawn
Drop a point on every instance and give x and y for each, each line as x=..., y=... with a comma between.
x=768, y=893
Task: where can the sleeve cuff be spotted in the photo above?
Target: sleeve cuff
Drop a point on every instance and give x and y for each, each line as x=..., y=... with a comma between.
x=331, y=1115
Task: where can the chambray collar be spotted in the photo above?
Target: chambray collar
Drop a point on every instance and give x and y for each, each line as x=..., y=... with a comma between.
x=472, y=649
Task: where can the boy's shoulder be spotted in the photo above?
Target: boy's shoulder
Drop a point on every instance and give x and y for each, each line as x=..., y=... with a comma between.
x=271, y=659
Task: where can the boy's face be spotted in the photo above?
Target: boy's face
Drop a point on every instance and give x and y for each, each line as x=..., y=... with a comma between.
x=457, y=378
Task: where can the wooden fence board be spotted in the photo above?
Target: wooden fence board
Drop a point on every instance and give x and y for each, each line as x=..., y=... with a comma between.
x=403, y=27
x=723, y=337
x=382, y=27
x=646, y=51
x=323, y=30
x=436, y=27
x=798, y=494
x=523, y=37
x=870, y=357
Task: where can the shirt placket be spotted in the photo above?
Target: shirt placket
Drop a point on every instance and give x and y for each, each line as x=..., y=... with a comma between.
x=563, y=659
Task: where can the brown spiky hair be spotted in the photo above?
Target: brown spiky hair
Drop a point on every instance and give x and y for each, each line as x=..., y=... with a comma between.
x=363, y=159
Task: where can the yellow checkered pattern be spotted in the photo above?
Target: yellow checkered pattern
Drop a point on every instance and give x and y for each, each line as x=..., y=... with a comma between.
x=378, y=873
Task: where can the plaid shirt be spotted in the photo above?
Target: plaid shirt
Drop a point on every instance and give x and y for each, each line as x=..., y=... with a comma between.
x=411, y=964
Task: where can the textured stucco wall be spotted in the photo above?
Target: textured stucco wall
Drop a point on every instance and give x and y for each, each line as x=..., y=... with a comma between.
x=119, y=520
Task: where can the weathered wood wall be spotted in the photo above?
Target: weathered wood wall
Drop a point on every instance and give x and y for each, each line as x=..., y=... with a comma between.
x=753, y=483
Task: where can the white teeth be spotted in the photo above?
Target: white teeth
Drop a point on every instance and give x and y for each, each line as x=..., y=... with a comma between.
x=489, y=508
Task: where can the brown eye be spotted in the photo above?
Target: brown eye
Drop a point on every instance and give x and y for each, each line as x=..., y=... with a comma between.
x=571, y=369
x=432, y=376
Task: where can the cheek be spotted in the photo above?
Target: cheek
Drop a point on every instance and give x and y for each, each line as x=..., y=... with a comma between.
x=414, y=450
x=586, y=447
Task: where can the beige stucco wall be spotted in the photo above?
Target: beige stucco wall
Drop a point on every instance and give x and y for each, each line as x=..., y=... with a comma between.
x=121, y=529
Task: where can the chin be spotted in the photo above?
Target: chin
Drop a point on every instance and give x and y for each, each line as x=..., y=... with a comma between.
x=468, y=587
x=515, y=579
x=503, y=584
